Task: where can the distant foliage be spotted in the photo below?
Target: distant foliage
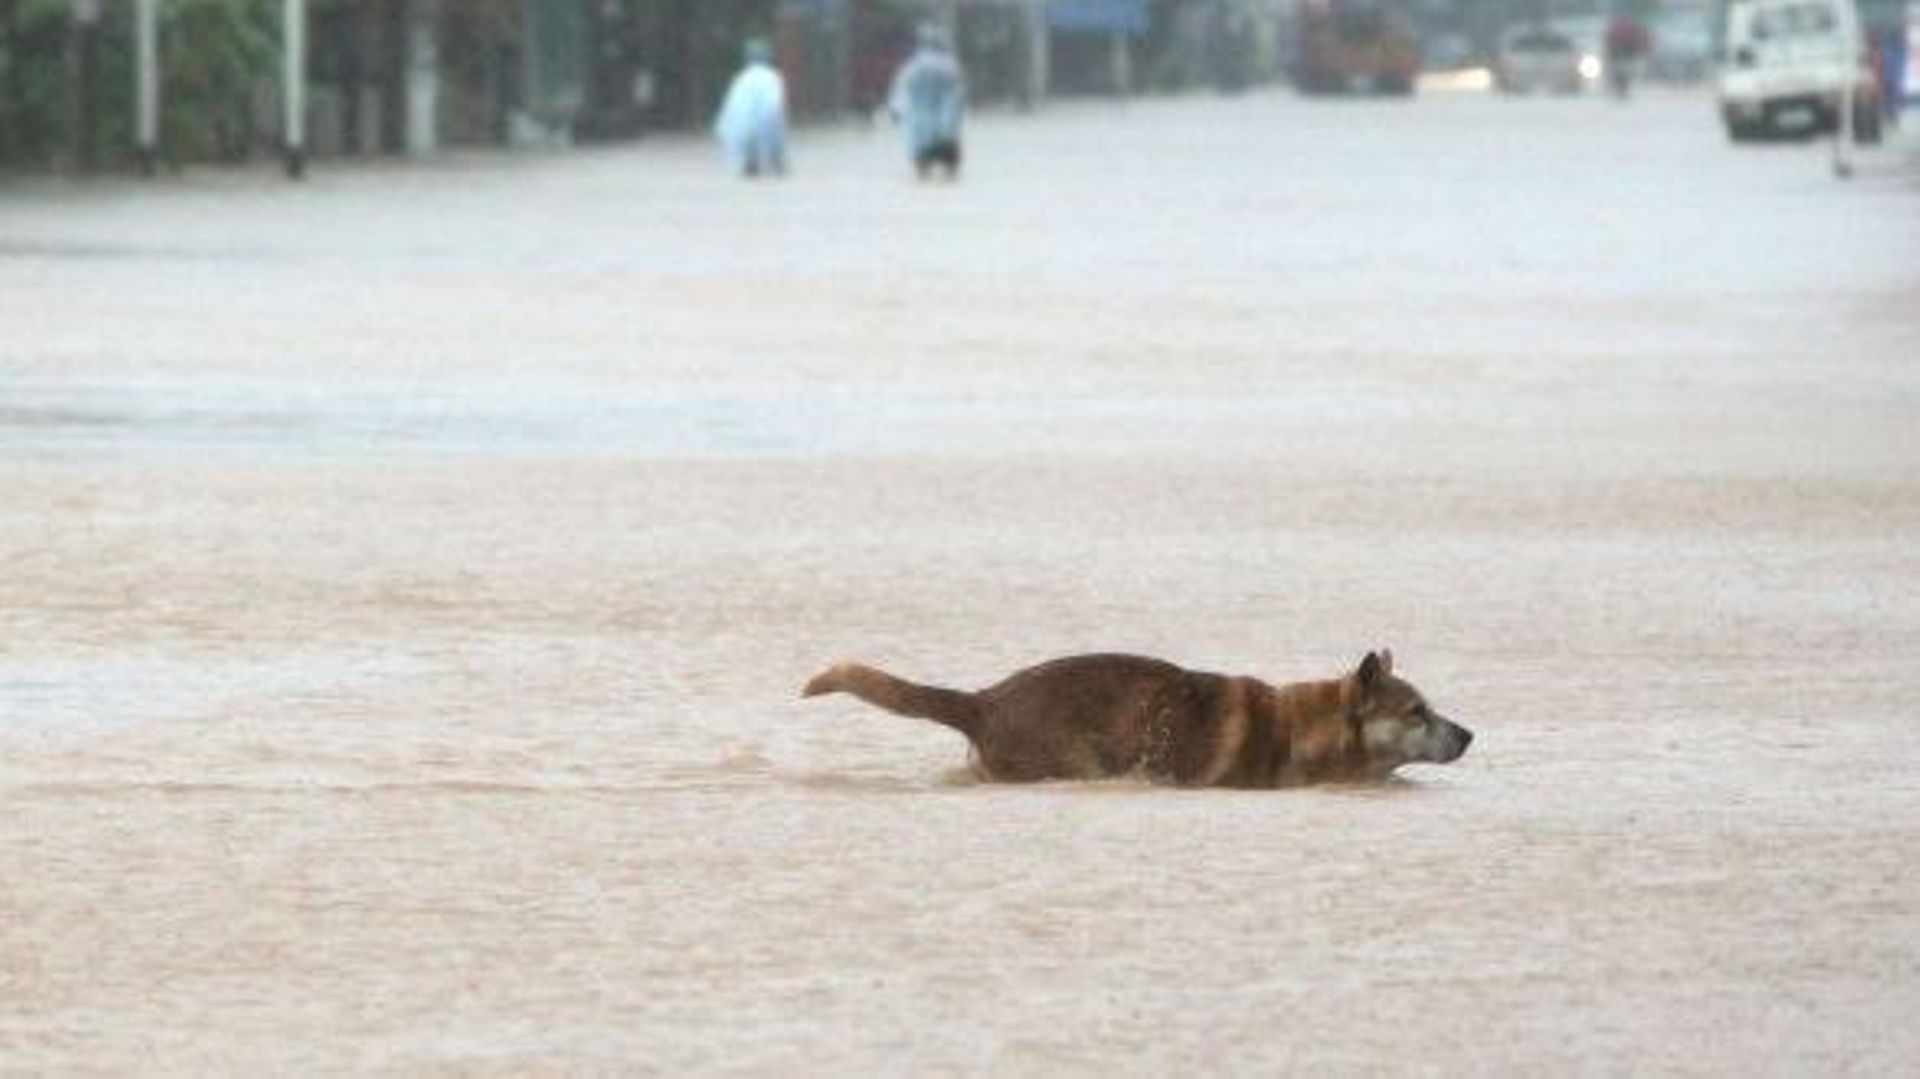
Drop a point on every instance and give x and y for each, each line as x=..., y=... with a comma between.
x=67, y=93
x=33, y=78
x=220, y=56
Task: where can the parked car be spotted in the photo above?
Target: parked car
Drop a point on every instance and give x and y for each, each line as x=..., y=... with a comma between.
x=1589, y=36
x=1535, y=57
x=1789, y=64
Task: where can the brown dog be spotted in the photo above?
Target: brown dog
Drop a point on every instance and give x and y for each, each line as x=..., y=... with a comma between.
x=1089, y=717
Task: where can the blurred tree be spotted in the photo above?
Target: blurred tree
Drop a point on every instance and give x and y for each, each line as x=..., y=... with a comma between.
x=217, y=57
x=38, y=116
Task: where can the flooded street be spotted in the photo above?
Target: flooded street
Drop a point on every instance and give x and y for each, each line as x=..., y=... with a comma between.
x=407, y=579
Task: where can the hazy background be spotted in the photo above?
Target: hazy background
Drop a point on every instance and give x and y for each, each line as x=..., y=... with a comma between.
x=407, y=576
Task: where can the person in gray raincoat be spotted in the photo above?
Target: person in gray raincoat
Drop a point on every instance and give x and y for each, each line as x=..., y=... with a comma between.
x=929, y=101
x=752, y=124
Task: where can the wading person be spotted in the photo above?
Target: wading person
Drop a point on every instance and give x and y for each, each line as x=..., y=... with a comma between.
x=752, y=124
x=929, y=101
x=1627, y=44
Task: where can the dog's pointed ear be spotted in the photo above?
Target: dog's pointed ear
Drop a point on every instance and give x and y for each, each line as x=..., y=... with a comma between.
x=1367, y=675
x=1386, y=661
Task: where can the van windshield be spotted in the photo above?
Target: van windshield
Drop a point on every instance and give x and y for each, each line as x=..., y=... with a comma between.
x=1793, y=21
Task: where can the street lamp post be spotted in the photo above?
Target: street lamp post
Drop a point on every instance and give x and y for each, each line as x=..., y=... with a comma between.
x=81, y=64
x=1035, y=44
x=146, y=83
x=294, y=95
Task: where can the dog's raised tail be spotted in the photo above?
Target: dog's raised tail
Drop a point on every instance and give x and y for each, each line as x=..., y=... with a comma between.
x=956, y=709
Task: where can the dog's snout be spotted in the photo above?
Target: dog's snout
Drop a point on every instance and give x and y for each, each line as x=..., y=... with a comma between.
x=1454, y=740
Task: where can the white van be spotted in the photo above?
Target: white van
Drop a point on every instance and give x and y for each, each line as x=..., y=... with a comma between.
x=1787, y=63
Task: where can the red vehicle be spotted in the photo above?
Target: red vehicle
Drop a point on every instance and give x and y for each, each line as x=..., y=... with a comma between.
x=1353, y=47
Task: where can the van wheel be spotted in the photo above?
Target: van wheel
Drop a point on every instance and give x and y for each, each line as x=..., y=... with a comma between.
x=1744, y=131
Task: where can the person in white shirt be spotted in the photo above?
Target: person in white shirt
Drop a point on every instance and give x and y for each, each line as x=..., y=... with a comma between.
x=929, y=102
x=752, y=124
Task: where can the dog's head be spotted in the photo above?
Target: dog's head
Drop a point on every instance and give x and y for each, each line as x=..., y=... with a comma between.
x=1392, y=721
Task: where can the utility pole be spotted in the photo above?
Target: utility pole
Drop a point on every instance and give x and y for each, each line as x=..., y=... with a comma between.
x=422, y=130
x=294, y=95
x=1843, y=131
x=1035, y=44
x=146, y=83
x=81, y=62
x=1843, y=114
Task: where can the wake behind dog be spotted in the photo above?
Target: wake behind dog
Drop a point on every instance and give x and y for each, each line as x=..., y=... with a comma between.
x=1101, y=716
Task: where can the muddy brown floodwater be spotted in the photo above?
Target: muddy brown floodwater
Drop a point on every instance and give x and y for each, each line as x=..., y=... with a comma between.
x=407, y=579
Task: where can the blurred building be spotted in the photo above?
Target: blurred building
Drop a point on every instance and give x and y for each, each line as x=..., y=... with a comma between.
x=415, y=76
x=1095, y=46
x=393, y=76
x=412, y=75
x=554, y=71
x=1223, y=44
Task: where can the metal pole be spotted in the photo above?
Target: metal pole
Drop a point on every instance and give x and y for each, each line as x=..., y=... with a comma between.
x=1843, y=120
x=423, y=76
x=294, y=95
x=1843, y=132
x=1038, y=42
x=146, y=83
x=86, y=17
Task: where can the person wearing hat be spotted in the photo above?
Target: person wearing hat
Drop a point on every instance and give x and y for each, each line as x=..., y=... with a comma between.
x=929, y=101
x=752, y=124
